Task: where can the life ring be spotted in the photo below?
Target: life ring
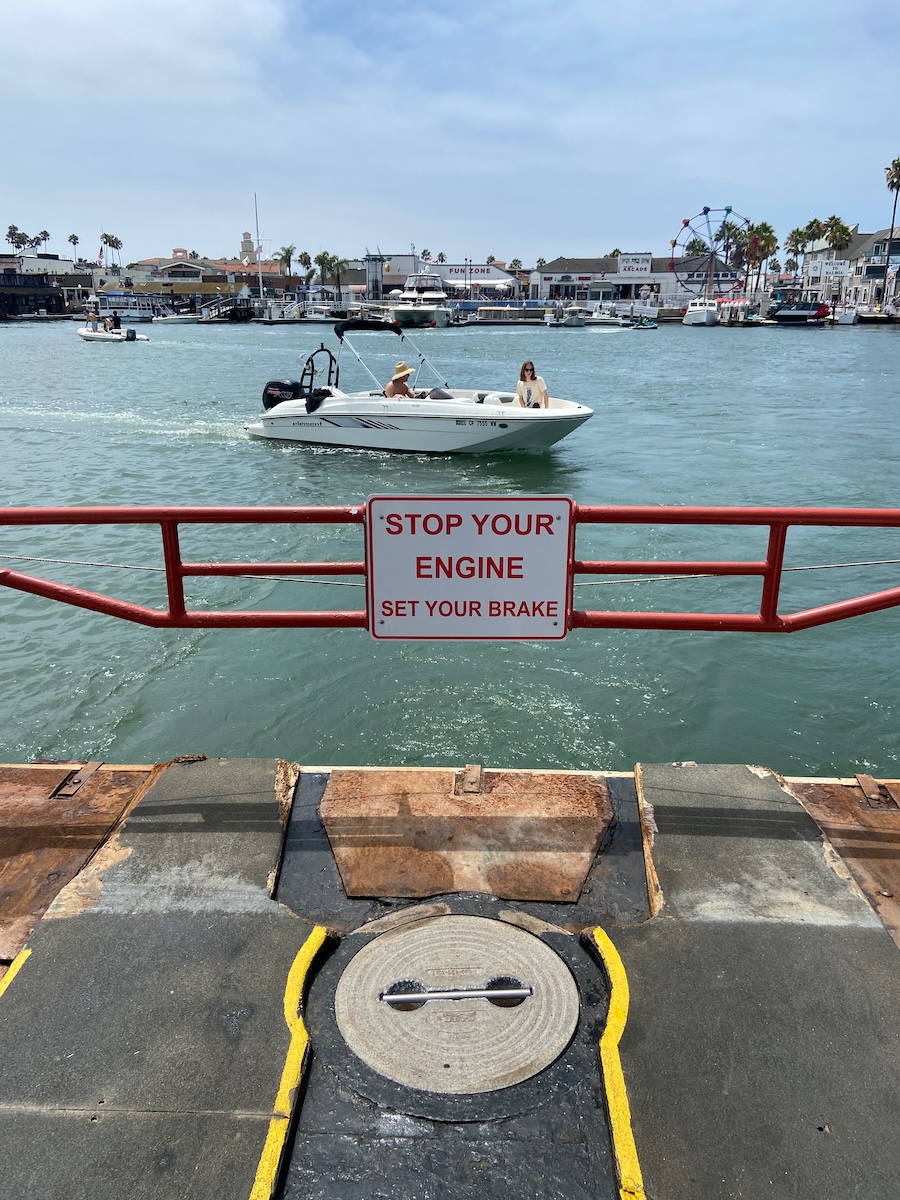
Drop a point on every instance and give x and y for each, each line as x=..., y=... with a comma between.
x=683, y=311
x=433, y=322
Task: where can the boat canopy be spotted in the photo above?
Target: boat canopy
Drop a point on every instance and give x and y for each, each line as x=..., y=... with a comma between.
x=360, y=324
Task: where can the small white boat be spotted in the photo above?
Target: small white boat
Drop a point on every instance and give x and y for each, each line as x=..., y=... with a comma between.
x=845, y=314
x=324, y=314
x=701, y=312
x=174, y=318
x=568, y=318
x=607, y=316
x=112, y=335
x=439, y=420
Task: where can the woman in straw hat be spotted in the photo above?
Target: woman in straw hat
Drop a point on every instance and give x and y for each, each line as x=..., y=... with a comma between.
x=399, y=385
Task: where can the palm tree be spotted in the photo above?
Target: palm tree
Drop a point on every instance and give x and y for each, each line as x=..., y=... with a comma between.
x=425, y=256
x=73, y=240
x=323, y=262
x=795, y=243
x=728, y=234
x=791, y=265
x=892, y=179
x=285, y=255
x=12, y=236
x=696, y=248
x=515, y=264
x=613, y=253
x=541, y=262
x=837, y=234
x=441, y=257
x=338, y=265
x=490, y=258
x=767, y=244
x=112, y=243
x=43, y=238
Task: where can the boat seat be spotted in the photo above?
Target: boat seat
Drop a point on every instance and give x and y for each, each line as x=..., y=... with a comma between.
x=497, y=398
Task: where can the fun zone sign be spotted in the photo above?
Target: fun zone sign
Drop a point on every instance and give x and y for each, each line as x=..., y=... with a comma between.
x=468, y=568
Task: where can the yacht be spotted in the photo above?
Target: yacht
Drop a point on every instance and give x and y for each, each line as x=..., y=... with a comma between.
x=422, y=303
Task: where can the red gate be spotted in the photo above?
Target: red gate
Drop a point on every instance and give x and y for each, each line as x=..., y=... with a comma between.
x=176, y=615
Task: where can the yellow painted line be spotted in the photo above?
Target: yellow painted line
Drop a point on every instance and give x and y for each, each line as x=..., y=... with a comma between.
x=631, y=1183
x=14, y=968
x=270, y=1159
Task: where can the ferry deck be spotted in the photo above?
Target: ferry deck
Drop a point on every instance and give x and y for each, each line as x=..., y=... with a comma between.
x=696, y=972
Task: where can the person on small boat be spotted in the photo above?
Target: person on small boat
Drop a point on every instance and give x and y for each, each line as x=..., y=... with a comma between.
x=531, y=389
x=116, y=321
x=398, y=386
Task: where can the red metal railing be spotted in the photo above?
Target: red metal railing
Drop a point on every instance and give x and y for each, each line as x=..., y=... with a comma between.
x=177, y=615
x=767, y=620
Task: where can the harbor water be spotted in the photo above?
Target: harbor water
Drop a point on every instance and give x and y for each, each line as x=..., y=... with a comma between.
x=682, y=416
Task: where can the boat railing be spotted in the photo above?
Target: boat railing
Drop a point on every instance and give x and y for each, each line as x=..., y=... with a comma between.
x=175, y=613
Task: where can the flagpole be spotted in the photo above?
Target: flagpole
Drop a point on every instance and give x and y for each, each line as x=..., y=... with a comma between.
x=258, y=263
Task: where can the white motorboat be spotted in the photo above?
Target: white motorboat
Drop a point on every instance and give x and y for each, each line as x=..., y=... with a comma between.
x=111, y=335
x=700, y=311
x=607, y=316
x=174, y=318
x=567, y=318
x=422, y=303
x=323, y=314
x=440, y=420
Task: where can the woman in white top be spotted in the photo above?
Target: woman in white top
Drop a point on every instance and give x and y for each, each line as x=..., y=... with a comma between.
x=531, y=389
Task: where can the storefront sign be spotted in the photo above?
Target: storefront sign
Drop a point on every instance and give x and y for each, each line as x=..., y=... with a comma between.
x=635, y=264
x=468, y=567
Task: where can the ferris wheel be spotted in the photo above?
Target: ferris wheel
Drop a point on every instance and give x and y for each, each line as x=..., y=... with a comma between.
x=703, y=250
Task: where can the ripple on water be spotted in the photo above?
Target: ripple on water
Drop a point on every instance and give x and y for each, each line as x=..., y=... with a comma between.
x=683, y=417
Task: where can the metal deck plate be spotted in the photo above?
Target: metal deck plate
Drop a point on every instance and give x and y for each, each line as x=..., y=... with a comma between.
x=465, y=1045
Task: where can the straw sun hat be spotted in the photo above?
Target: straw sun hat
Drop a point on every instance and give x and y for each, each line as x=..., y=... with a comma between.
x=401, y=370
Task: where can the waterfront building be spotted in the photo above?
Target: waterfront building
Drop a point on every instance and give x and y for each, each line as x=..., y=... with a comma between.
x=640, y=277
x=27, y=294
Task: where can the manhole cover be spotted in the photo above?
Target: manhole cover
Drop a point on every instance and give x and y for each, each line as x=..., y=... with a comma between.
x=457, y=1005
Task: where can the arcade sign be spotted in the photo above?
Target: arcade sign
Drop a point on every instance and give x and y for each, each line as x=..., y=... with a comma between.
x=469, y=568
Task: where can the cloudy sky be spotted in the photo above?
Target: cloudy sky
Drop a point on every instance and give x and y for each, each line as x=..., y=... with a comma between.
x=518, y=128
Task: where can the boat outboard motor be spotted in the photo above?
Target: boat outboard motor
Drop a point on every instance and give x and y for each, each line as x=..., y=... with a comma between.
x=278, y=390
x=130, y=335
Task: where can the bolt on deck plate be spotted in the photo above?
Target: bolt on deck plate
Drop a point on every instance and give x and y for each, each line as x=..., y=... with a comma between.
x=465, y=1041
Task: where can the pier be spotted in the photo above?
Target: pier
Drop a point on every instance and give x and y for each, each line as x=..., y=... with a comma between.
x=255, y=978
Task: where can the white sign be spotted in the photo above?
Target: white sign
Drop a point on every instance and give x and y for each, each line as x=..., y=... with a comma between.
x=635, y=264
x=837, y=266
x=468, y=567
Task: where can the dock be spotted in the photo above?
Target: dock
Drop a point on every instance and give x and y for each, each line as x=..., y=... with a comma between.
x=256, y=979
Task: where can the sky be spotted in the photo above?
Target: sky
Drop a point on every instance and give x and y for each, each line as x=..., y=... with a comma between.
x=512, y=128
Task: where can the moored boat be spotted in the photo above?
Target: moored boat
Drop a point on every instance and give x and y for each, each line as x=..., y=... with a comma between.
x=438, y=420
x=507, y=314
x=572, y=317
x=700, y=311
x=423, y=303
x=798, y=312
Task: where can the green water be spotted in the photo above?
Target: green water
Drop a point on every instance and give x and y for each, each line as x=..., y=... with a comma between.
x=683, y=416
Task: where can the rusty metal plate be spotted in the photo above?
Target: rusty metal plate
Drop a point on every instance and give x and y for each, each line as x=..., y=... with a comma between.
x=527, y=835
x=866, y=838
x=45, y=840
